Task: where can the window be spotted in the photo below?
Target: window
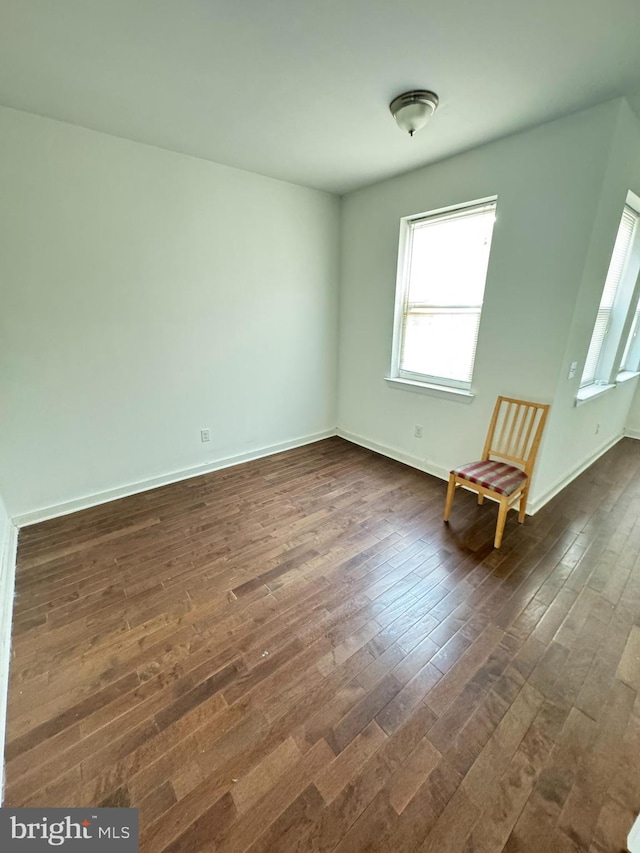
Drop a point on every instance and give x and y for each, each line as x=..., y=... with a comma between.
x=615, y=343
x=442, y=273
x=630, y=357
x=631, y=354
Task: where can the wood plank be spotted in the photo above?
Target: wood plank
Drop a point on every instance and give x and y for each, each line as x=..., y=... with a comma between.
x=265, y=775
x=339, y=773
x=411, y=774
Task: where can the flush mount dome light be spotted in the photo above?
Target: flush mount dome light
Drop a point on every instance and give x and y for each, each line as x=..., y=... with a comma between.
x=412, y=110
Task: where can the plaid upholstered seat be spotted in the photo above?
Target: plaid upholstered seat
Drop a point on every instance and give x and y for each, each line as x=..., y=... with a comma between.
x=498, y=476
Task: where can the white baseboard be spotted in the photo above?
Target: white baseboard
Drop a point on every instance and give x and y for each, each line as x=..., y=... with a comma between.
x=8, y=549
x=98, y=498
x=443, y=473
x=631, y=433
x=399, y=455
x=567, y=478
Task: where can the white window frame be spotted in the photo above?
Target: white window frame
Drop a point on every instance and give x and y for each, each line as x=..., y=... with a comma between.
x=629, y=359
x=442, y=386
x=620, y=351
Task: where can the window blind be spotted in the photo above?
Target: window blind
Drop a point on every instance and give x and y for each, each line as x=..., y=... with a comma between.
x=607, y=302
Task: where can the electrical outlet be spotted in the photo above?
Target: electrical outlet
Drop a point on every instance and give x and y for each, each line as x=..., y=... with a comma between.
x=205, y=435
x=597, y=428
x=418, y=431
x=572, y=369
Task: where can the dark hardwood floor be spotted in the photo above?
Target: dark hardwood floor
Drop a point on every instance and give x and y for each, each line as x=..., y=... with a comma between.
x=297, y=655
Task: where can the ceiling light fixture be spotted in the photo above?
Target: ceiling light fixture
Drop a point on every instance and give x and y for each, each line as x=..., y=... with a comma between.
x=412, y=110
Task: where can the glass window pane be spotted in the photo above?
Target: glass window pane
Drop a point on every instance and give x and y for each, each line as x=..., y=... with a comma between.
x=449, y=259
x=594, y=370
x=440, y=344
x=626, y=363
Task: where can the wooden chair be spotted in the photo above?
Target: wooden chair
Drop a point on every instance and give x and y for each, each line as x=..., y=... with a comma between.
x=504, y=472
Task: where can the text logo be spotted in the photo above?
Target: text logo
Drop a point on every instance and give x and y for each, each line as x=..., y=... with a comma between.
x=73, y=830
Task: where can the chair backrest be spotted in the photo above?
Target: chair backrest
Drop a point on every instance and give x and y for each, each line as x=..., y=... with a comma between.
x=515, y=432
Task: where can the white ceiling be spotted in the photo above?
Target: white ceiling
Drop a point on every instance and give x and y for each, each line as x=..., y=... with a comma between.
x=300, y=90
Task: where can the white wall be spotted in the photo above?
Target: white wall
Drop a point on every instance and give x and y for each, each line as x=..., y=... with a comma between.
x=549, y=182
x=145, y=295
x=577, y=435
x=632, y=425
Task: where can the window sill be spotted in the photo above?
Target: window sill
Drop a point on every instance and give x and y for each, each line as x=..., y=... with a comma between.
x=590, y=392
x=459, y=395
x=626, y=375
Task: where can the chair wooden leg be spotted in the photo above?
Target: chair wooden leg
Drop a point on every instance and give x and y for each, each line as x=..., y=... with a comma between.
x=522, y=506
x=480, y=498
x=502, y=517
x=450, y=495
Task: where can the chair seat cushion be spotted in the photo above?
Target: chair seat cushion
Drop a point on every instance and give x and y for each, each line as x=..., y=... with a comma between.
x=497, y=476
